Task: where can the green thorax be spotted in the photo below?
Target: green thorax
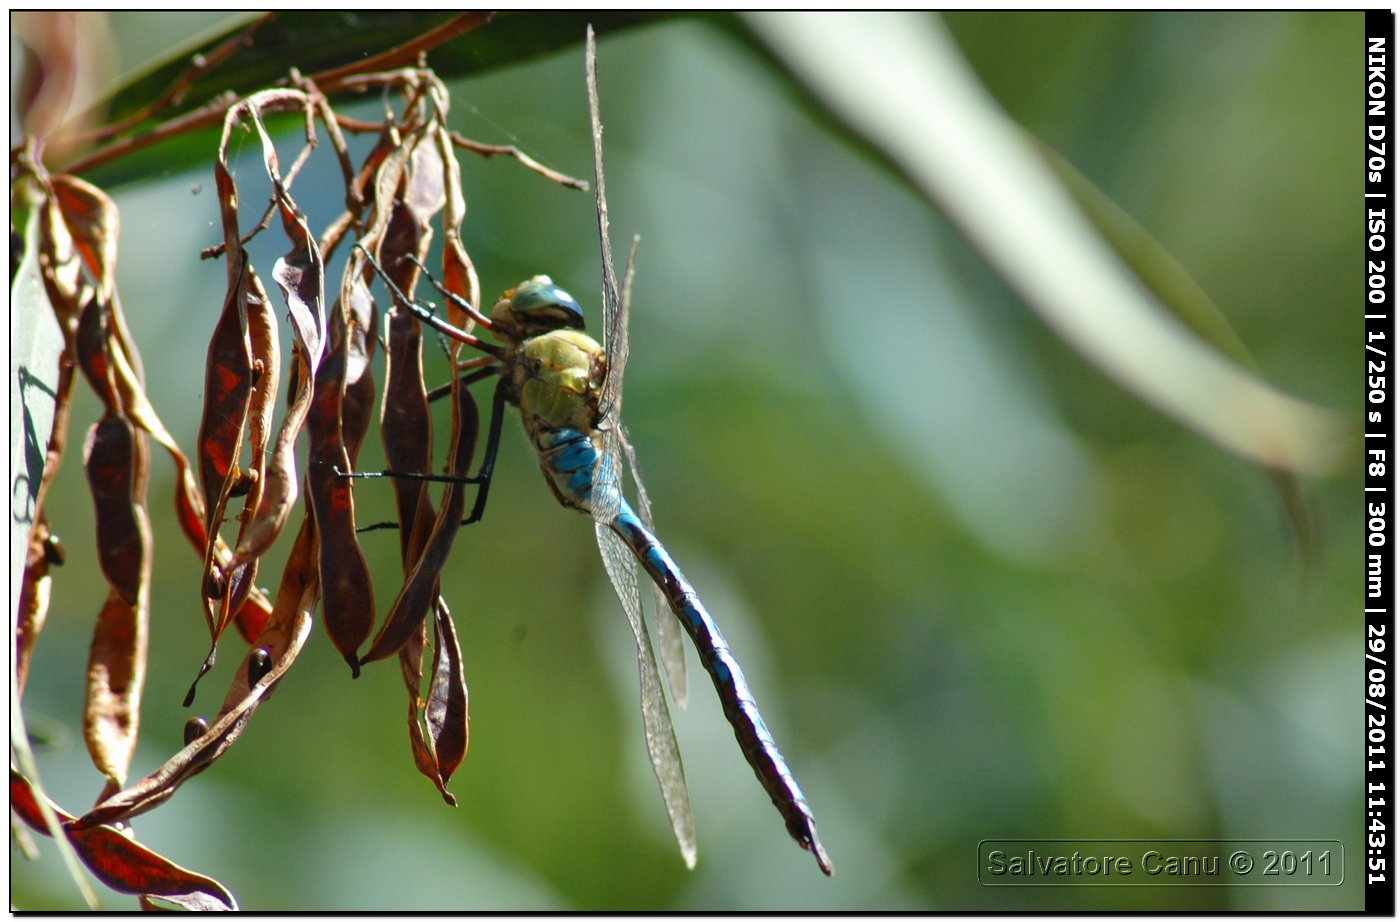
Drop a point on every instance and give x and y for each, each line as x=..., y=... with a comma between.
x=558, y=376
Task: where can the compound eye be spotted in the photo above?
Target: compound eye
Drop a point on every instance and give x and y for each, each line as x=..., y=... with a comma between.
x=539, y=304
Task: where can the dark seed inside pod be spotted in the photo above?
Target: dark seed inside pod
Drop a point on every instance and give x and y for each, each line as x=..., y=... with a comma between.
x=245, y=482
x=214, y=582
x=195, y=727
x=259, y=665
x=54, y=552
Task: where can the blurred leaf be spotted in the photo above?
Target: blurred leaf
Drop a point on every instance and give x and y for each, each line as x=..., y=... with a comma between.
x=37, y=351
x=1150, y=261
x=36, y=348
x=901, y=82
x=65, y=54
x=1179, y=294
x=314, y=41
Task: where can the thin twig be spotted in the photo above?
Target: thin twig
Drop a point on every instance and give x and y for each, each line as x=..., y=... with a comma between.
x=510, y=150
x=217, y=250
x=333, y=80
x=358, y=126
x=211, y=113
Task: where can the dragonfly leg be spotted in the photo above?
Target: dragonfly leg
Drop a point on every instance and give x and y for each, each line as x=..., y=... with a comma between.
x=426, y=316
x=402, y=475
x=481, y=479
x=488, y=459
x=461, y=302
x=485, y=362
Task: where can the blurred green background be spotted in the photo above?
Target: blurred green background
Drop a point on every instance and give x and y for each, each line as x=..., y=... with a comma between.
x=980, y=591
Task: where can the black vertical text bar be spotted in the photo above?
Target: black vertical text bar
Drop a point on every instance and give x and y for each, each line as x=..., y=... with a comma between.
x=1380, y=640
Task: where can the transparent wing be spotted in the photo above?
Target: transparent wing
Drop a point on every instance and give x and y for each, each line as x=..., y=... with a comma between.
x=600, y=196
x=656, y=718
x=607, y=501
x=608, y=477
x=614, y=304
x=617, y=346
x=669, y=636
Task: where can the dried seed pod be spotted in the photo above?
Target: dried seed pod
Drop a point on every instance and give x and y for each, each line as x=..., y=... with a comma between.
x=344, y=573
x=119, y=861
x=419, y=592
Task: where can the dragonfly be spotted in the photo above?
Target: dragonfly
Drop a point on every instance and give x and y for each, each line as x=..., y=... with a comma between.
x=568, y=390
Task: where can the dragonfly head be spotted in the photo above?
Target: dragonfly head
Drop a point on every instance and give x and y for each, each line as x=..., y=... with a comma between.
x=536, y=306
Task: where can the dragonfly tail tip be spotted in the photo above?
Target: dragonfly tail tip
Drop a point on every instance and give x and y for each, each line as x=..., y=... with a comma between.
x=823, y=861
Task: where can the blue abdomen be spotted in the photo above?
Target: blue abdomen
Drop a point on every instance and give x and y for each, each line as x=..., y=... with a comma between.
x=568, y=458
x=734, y=694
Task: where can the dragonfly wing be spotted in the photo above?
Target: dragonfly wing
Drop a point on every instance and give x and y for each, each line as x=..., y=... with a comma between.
x=656, y=718
x=607, y=504
x=607, y=497
x=617, y=346
x=615, y=300
x=600, y=195
x=669, y=637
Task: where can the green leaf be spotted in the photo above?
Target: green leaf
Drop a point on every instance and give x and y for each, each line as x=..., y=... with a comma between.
x=1179, y=294
x=36, y=348
x=314, y=42
x=900, y=82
